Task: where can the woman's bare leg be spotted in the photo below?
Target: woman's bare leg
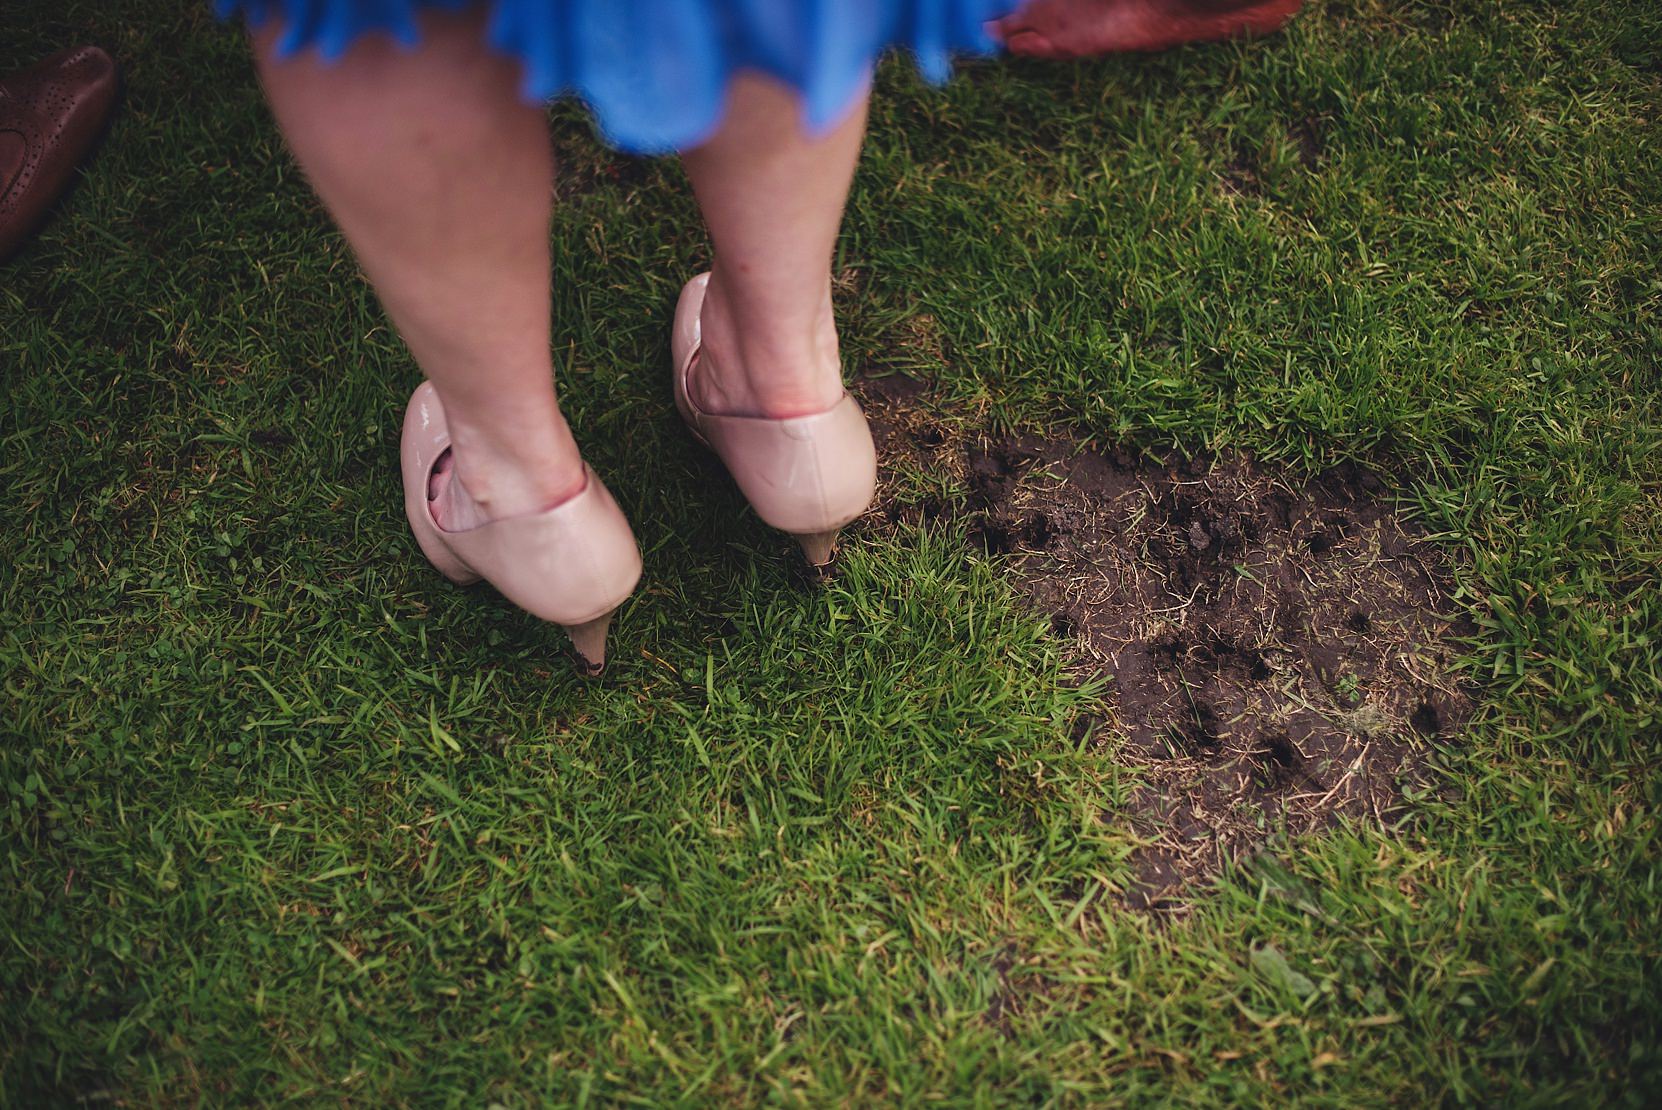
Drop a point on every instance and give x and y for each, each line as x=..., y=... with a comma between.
x=441, y=179
x=772, y=197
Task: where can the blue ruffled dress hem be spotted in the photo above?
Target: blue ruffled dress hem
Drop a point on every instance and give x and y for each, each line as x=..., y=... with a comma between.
x=655, y=72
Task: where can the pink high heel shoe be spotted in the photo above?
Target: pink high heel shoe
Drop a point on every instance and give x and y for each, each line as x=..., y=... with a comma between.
x=805, y=475
x=572, y=564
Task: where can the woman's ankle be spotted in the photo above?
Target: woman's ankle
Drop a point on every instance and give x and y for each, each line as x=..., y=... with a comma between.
x=756, y=367
x=490, y=481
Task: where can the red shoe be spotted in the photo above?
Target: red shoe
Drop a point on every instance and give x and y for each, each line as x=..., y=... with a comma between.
x=1059, y=29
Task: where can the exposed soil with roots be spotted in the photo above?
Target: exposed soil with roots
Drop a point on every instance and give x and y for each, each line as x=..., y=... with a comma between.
x=1278, y=650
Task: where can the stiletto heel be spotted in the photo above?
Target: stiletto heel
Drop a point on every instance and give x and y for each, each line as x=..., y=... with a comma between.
x=589, y=641
x=819, y=548
x=572, y=564
x=805, y=475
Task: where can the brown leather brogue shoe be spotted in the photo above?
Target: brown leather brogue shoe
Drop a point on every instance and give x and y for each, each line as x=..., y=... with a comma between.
x=51, y=116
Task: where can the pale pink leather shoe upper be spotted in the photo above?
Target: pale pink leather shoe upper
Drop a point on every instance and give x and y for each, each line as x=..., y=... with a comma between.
x=570, y=564
x=802, y=474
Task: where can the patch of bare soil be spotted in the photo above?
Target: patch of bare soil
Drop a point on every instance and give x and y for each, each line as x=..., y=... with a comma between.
x=1280, y=649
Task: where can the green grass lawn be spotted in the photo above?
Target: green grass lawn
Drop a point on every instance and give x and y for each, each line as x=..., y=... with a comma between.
x=288, y=818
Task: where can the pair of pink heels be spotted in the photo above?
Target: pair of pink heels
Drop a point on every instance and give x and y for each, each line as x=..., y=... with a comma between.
x=575, y=564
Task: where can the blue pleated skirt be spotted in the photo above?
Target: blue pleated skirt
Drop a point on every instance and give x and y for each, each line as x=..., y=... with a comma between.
x=655, y=72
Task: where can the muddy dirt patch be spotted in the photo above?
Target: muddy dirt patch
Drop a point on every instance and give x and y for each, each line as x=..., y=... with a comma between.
x=1279, y=650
